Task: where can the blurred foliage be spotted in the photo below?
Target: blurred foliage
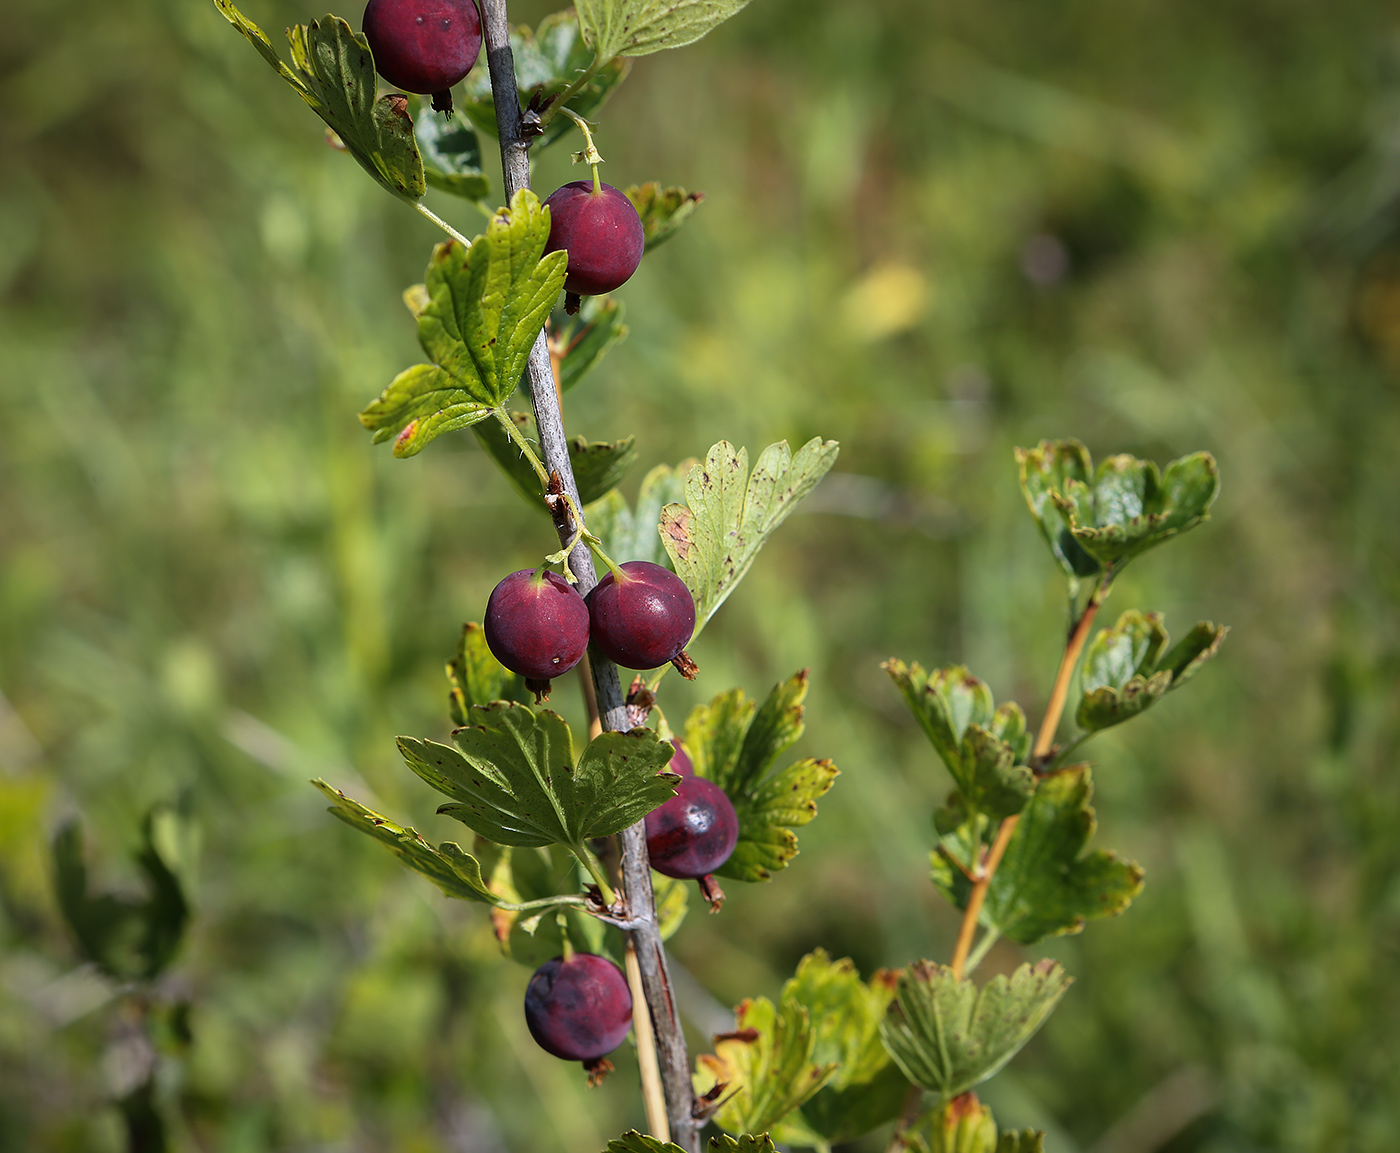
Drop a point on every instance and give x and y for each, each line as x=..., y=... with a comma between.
x=932, y=231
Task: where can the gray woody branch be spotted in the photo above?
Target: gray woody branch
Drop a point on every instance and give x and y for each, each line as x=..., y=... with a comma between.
x=636, y=869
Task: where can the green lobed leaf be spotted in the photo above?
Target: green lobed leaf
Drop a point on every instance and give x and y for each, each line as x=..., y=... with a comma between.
x=1193, y=650
x=641, y=27
x=1047, y=884
x=485, y=308
x=586, y=337
x=1125, y=672
x=1046, y=469
x=663, y=210
x=547, y=60
x=866, y=1090
x=456, y=873
x=766, y=1064
x=745, y=1143
x=947, y=1035
x=965, y=1125
x=1125, y=508
x=981, y=746
x=735, y=743
x=634, y=1142
x=599, y=466
x=451, y=156
x=332, y=69
x=476, y=677
x=715, y=535
x=513, y=779
x=634, y=535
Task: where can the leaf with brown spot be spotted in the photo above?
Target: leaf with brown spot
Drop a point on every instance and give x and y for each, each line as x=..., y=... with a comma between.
x=729, y=514
x=734, y=742
x=766, y=1063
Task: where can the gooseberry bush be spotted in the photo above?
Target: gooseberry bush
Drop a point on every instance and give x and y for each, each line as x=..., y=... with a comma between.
x=632, y=811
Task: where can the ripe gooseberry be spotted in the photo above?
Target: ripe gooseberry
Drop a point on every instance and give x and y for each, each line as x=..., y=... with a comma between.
x=578, y=1009
x=424, y=45
x=693, y=833
x=536, y=625
x=642, y=618
x=601, y=232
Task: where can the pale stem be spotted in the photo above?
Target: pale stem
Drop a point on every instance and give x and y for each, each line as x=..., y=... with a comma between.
x=441, y=223
x=672, y=1057
x=653, y=1095
x=984, y=946
x=1044, y=740
x=590, y=698
x=595, y=870
x=526, y=448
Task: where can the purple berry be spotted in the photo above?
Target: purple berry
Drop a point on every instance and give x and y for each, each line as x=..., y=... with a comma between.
x=601, y=232
x=536, y=625
x=694, y=832
x=680, y=760
x=644, y=619
x=423, y=45
x=579, y=1009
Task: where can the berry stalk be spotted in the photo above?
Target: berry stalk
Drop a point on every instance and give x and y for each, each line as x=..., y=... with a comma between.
x=636, y=870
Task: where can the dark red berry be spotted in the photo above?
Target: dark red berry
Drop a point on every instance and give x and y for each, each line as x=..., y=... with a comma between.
x=680, y=760
x=536, y=626
x=601, y=232
x=579, y=1009
x=423, y=45
x=643, y=620
x=694, y=832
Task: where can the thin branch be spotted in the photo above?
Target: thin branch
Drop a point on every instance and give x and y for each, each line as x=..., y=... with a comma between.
x=1044, y=741
x=441, y=223
x=653, y=1093
x=636, y=868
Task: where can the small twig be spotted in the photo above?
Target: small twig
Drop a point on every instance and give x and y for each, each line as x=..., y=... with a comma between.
x=590, y=698
x=441, y=223
x=1044, y=739
x=984, y=946
x=653, y=1095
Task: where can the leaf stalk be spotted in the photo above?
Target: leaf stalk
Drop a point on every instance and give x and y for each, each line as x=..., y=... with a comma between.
x=424, y=210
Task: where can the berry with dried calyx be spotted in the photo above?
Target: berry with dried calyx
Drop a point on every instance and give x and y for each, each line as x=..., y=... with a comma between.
x=579, y=1009
x=602, y=233
x=643, y=617
x=424, y=45
x=536, y=625
x=693, y=833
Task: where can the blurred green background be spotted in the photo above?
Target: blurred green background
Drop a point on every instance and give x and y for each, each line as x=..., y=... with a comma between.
x=933, y=231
